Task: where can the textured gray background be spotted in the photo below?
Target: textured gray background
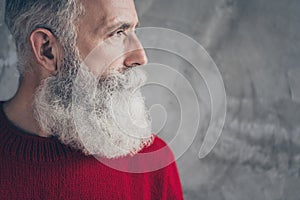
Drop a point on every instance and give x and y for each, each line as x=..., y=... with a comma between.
x=255, y=44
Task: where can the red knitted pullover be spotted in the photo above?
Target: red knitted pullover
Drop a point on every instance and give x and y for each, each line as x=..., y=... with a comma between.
x=33, y=167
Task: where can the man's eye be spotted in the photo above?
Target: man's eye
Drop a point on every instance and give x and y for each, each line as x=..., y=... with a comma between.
x=119, y=33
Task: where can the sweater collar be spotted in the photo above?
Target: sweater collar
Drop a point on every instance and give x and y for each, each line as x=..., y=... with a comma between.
x=21, y=145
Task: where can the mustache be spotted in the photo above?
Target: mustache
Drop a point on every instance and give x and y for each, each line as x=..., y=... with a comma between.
x=125, y=80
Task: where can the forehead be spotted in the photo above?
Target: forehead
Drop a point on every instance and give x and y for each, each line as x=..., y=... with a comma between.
x=109, y=11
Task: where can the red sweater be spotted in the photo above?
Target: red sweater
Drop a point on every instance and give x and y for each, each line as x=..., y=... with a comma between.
x=32, y=167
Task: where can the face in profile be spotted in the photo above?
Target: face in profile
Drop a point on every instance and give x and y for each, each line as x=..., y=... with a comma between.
x=94, y=103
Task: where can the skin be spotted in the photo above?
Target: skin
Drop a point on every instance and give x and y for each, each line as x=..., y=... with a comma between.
x=107, y=26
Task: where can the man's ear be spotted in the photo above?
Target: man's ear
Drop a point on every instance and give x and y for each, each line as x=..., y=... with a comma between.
x=46, y=50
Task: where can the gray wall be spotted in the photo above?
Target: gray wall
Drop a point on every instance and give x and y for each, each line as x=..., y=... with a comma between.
x=255, y=44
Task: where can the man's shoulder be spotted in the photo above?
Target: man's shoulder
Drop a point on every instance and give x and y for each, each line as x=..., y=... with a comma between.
x=156, y=145
x=159, y=150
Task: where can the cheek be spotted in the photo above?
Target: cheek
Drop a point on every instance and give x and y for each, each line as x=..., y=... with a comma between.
x=117, y=65
x=105, y=57
x=86, y=47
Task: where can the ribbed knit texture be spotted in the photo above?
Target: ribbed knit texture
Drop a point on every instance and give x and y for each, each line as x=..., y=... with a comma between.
x=33, y=167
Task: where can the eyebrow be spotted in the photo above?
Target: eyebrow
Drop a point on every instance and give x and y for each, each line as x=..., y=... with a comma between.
x=120, y=25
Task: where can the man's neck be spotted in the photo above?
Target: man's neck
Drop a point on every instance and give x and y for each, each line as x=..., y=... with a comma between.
x=19, y=110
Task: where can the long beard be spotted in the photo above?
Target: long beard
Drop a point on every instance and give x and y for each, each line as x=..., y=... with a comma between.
x=100, y=116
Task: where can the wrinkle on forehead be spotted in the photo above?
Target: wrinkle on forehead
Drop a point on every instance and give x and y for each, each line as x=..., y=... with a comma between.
x=123, y=3
x=107, y=12
x=108, y=5
x=98, y=16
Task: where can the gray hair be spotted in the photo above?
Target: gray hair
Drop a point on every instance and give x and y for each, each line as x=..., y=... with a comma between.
x=24, y=16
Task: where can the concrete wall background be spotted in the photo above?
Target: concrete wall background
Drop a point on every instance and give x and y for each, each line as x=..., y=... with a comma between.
x=256, y=47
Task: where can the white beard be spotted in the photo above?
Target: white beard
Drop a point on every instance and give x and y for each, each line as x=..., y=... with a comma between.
x=100, y=116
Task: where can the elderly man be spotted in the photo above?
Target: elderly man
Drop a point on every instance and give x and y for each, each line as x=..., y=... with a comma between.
x=77, y=127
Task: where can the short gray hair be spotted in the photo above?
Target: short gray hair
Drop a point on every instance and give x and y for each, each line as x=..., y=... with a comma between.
x=24, y=16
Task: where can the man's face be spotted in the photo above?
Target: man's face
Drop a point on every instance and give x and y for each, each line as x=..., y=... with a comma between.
x=106, y=35
x=94, y=103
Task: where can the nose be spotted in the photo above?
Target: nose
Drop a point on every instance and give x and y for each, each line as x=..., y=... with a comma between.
x=136, y=54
